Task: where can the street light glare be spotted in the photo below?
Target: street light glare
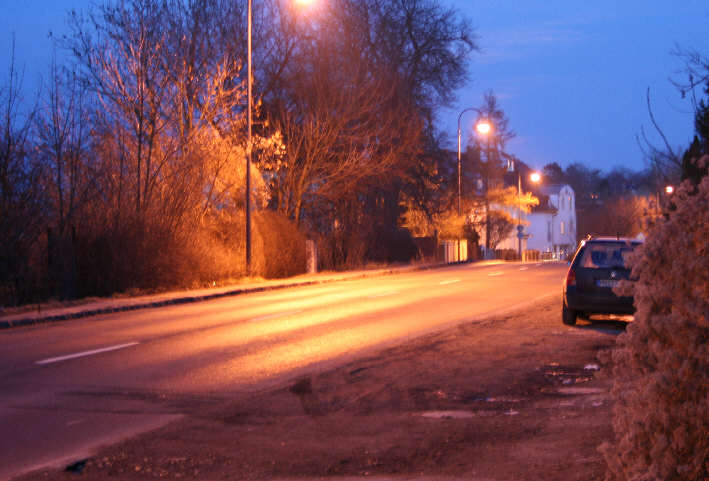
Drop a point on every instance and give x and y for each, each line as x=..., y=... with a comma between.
x=669, y=189
x=535, y=177
x=304, y=2
x=483, y=127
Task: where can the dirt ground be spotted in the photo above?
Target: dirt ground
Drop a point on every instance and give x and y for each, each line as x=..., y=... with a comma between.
x=516, y=397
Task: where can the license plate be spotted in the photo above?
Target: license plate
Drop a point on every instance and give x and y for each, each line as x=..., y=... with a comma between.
x=607, y=282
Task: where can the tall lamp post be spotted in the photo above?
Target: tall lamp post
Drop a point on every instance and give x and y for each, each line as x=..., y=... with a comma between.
x=248, y=140
x=483, y=127
x=249, y=93
x=534, y=177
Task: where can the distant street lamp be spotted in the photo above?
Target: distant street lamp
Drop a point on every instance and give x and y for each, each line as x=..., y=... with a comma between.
x=483, y=127
x=534, y=177
x=669, y=190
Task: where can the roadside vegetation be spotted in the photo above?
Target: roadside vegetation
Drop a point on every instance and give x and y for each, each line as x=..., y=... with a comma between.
x=127, y=170
x=661, y=364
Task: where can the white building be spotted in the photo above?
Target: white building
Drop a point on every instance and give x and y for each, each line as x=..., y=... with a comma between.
x=551, y=226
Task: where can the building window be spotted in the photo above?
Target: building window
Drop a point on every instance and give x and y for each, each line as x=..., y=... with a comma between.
x=561, y=228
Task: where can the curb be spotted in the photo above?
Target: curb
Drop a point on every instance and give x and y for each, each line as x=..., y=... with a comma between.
x=34, y=320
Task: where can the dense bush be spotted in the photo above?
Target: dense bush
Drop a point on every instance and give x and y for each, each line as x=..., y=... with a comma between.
x=103, y=260
x=279, y=247
x=661, y=364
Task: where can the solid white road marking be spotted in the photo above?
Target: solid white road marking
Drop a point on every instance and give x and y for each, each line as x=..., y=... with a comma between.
x=274, y=316
x=496, y=273
x=86, y=353
x=523, y=268
x=450, y=281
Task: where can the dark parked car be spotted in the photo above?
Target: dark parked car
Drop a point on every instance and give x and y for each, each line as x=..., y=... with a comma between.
x=597, y=267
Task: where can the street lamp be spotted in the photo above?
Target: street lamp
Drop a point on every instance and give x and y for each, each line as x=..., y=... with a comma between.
x=249, y=92
x=534, y=177
x=248, y=140
x=483, y=127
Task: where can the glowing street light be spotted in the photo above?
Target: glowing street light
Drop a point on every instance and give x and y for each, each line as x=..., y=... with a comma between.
x=483, y=127
x=534, y=177
x=669, y=190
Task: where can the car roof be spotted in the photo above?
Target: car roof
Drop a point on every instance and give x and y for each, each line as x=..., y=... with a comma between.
x=613, y=239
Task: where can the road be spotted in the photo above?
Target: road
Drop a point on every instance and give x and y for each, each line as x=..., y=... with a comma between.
x=69, y=387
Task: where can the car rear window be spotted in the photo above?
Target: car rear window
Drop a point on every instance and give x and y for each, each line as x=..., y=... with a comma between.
x=611, y=255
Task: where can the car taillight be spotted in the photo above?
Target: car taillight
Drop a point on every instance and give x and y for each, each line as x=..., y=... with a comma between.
x=571, y=278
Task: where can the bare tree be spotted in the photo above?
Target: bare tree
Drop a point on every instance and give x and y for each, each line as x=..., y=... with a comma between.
x=355, y=106
x=120, y=50
x=21, y=207
x=63, y=138
x=62, y=128
x=665, y=161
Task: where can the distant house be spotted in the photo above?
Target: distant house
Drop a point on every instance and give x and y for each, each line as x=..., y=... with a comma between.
x=551, y=226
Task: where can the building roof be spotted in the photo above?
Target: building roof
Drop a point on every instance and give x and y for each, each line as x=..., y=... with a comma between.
x=544, y=207
x=551, y=189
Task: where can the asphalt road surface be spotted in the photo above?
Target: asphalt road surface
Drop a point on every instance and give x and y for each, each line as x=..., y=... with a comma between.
x=69, y=387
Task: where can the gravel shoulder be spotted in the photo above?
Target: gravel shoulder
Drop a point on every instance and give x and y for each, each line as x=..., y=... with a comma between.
x=517, y=396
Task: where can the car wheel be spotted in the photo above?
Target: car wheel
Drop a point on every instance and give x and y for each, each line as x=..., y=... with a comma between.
x=568, y=316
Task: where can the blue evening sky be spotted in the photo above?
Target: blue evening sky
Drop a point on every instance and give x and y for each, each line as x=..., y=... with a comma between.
x=570, y=74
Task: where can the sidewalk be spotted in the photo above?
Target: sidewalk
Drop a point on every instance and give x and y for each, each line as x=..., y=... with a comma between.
x=93, y=307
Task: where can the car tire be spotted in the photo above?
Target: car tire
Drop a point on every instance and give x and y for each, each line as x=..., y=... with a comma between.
x=568, y=316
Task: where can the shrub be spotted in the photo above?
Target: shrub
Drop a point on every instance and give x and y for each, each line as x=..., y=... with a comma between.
x=279, y=247
x=661, y=363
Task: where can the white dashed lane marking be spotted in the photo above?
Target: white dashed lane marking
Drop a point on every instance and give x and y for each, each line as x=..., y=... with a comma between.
x=92, y=352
